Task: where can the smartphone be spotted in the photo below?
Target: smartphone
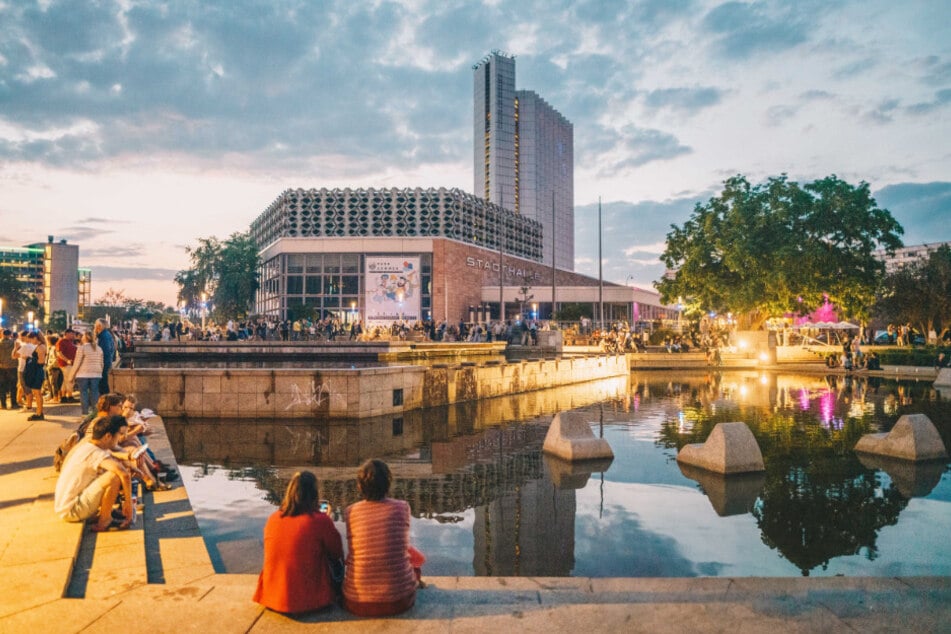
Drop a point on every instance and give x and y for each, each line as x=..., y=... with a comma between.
x=141, y=450
x=324, y=506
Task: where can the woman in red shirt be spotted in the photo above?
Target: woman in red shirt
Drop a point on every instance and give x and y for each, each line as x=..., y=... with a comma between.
x=380, y=579
x=299, y=542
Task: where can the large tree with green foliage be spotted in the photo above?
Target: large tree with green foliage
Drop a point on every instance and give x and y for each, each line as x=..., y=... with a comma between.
x=226, y=271
x=779, y=247
x=919, y=294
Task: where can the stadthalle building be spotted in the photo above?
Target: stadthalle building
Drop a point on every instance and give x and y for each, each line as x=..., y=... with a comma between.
x=385, y=255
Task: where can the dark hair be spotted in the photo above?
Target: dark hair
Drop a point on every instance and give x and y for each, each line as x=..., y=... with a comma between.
x=109, y=400
x=108, y=425
x=301, y=495
x=374, y=479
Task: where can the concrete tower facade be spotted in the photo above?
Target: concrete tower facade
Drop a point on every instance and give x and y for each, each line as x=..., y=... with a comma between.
x=523, y=155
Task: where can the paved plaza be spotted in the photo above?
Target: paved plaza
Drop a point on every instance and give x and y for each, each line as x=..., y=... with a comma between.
x=59, y=577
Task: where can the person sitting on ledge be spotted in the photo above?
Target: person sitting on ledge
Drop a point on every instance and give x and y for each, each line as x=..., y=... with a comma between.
x=91, y=479
x=299, y=544
x=383, y=570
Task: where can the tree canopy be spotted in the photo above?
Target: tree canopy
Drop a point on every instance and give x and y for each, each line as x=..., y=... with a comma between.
x=227, y=271
x=919, y=294
x=780, y=247
x=16, y=301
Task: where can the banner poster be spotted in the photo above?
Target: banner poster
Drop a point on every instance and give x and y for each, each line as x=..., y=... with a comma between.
x=392, y=290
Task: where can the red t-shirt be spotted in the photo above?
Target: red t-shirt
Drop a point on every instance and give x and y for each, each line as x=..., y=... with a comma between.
x=66, y=348
x=296, y=574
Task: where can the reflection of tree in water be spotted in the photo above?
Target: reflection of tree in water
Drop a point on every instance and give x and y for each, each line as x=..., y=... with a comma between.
x=818, y=501
x=820, y=504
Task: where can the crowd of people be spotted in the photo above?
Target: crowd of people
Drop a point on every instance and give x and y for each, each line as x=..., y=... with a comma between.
x=37, y=368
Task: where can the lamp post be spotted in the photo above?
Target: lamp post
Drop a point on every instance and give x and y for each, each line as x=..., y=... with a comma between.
x=204, y=310
x=29, y=318
x=353, y=311
x=1, y=311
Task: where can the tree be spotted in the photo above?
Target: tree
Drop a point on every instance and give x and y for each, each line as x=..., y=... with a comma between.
x=919, y=294
x=778, y=247
x=227, y=272
x=113, y=298
x=14, y=296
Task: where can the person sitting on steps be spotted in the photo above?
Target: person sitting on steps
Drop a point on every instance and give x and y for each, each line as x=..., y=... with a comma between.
x=91, y=479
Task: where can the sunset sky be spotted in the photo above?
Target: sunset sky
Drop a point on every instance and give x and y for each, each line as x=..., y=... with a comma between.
x=133, y=128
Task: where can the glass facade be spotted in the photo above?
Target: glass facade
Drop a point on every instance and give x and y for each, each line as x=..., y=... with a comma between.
x=317, y=285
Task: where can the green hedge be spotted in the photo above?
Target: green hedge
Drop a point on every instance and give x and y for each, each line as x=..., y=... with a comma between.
x=923, y=356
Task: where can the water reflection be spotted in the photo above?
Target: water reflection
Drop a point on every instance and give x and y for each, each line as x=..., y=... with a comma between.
x=487, y=502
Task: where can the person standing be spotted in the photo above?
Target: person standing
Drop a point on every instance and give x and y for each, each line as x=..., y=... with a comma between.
x=65, y=355
x=107, y=344
x=8, y=372
x=35, y=349
x=88, y=372
x=300, y=541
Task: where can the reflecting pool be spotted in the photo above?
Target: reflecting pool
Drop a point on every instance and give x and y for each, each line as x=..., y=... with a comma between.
x=486, y=501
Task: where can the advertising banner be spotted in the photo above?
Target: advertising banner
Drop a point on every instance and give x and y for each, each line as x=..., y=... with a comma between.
x=392, y=290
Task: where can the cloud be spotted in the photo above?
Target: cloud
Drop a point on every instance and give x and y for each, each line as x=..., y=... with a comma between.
x=742, y=30
x=634, y=236
x=856, y=68
x=633, y=146
x=921, y=208
x=689, y=100
x=123, y=273
x=941, y=99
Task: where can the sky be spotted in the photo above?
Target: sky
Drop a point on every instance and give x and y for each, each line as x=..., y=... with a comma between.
x=134, y=128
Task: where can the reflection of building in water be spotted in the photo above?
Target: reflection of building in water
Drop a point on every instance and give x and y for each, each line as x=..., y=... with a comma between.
x=529, y=531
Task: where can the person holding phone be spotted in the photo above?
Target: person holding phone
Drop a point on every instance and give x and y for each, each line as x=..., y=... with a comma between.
x=299, y=544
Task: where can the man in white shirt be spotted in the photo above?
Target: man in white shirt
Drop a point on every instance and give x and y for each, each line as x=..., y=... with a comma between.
x=91, y=478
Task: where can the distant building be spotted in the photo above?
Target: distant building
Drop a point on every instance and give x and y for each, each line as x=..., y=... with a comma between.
x=908, y=255
x=523, y=156
x=50, y=273
x=385, y=255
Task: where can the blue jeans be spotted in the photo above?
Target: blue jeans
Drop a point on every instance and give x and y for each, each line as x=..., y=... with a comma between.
x=88, y=393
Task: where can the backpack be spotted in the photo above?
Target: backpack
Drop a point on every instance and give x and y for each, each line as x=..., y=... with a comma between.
x=59, y=456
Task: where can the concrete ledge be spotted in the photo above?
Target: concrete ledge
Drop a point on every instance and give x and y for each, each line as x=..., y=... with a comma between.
x=913, y=437
x=730, y=448
x=944, y=378
x=570, y=438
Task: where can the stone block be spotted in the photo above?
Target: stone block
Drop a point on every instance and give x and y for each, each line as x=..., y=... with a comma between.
x=913, y=437
x=570, y=438
x=944, y=378
x=730, y=448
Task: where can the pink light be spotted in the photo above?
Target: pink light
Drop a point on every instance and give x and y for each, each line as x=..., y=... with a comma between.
x=804, y=401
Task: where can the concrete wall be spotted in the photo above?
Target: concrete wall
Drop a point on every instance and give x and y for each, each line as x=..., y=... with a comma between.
x=348, y=393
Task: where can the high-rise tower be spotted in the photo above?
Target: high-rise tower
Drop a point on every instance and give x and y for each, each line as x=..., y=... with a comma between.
x=523, y=155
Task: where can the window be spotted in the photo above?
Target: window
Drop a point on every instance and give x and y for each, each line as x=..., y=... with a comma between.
x=350, y=284
x=314, y=284
x=295, y=284
x=295, y=263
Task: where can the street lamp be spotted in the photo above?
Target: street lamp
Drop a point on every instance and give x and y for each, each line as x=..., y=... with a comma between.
x=534, y=310
x=1, y=311
x=353, y=311
x=29, y=318
x=204, y=310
